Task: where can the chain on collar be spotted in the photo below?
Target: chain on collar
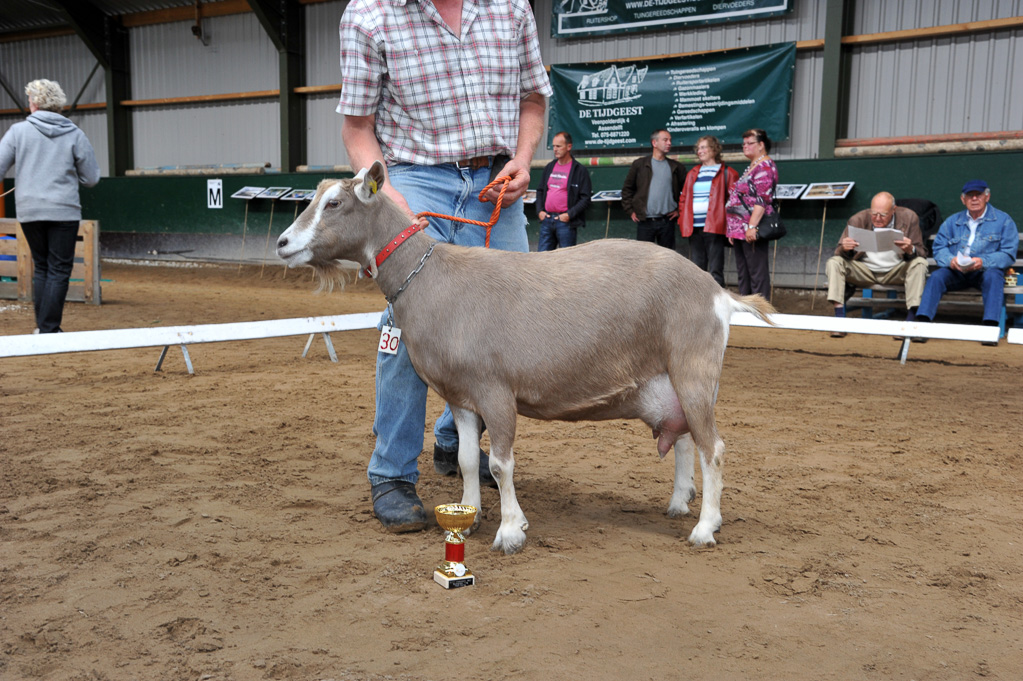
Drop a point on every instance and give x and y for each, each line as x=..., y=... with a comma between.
x=392, y=299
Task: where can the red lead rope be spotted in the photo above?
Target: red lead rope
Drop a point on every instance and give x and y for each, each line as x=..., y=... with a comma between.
x=409, y=231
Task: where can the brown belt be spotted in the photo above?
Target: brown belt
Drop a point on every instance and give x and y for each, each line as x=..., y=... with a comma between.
x=474, y=163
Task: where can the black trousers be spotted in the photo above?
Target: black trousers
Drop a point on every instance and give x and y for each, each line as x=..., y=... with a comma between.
x=751, y=264
x=660, y=231
x=707, y=252
x=53, y=256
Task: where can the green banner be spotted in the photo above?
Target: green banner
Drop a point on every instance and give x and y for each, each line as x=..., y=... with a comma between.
x=721, y=94
x=592, y=17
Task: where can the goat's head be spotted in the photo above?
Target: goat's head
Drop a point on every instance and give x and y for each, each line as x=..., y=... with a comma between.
x=339, y=224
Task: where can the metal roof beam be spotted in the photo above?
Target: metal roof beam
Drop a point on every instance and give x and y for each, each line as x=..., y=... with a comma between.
x=107, y=39
x=284, y=23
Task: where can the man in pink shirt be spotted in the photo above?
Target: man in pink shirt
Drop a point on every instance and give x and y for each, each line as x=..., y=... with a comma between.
x=562, y=197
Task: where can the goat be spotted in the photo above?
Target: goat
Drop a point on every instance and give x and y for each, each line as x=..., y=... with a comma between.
x=610, y=329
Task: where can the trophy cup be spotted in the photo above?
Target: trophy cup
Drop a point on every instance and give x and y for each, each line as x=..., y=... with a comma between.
x=454, y=518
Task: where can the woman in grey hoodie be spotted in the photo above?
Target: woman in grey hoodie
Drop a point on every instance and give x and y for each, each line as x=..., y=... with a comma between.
x=51, y=158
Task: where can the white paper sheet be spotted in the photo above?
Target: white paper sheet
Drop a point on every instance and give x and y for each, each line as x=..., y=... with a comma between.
x=877, y=240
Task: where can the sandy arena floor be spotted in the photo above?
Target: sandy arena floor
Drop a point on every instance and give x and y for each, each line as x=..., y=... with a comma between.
x=218, y=526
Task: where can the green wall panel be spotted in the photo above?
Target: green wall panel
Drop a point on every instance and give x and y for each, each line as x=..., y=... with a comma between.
x=938, y=178
x=157, y=205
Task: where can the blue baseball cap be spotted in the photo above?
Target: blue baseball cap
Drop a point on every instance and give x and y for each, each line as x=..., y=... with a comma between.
x=975, y=186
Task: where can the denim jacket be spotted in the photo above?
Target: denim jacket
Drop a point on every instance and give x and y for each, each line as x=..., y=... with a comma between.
x=996, y=242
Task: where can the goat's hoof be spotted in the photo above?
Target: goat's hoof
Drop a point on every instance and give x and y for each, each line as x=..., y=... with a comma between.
x=678, y=506
x=677, y=511
x=703, y=535
x=510, y=541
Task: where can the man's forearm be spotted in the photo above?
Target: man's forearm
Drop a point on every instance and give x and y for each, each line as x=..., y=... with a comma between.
x=531, y=110
x=358, y=133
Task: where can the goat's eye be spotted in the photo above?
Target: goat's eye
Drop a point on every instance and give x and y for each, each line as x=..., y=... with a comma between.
x=333, y=203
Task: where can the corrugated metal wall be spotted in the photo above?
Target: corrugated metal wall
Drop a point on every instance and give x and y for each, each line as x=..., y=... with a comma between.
x=937, y=85
x=878, y=16
x=323, y=68
x=168, y=61
x=64, y=59
x=68, y=61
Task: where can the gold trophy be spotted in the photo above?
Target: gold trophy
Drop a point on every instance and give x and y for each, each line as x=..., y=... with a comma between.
x=454, y=518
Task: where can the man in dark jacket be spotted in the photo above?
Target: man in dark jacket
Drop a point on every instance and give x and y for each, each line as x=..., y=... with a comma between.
x=651, y=190
x=562, y=197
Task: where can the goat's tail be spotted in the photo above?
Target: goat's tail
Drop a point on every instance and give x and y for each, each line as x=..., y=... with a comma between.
x=754, y=304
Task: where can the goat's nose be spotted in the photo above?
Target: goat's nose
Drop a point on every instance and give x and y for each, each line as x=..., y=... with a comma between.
x=282, y=242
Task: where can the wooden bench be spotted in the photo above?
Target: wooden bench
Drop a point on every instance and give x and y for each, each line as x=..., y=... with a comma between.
x=16, y=264
x=891, y=298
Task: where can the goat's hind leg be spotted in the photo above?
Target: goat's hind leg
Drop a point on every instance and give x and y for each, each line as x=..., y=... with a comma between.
x=511, y=535
x=712, y=460
x=685, y=488
x=468, y=425
x=697, y=395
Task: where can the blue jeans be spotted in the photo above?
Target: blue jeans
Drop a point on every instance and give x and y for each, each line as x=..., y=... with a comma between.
x=400, y=393
x=53, y=257
x=991, y=283
x=555, y=234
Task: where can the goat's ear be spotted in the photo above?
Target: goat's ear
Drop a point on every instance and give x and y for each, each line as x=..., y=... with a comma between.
x=377, y=175
x=365, y=186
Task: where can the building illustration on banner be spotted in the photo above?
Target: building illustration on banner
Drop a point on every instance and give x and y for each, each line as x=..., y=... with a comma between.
x=577, y=7
x=611, y=86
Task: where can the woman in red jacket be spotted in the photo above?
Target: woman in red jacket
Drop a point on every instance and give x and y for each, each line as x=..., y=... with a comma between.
x=701, y=208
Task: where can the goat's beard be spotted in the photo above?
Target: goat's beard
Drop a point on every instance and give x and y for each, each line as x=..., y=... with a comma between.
x=332, y=274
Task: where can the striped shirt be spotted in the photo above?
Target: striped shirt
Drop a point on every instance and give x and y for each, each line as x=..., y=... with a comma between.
x=701, y=194
x=438, y=98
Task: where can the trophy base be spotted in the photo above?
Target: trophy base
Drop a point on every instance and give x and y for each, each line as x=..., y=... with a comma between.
x=452, y=582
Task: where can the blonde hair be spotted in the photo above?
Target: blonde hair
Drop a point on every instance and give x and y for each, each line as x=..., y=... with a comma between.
x=46, y=95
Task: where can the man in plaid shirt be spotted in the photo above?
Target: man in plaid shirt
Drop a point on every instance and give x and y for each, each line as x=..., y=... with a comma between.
x=448, y=94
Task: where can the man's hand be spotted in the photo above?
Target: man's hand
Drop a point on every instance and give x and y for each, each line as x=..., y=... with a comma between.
x=519, y=173
x=634, y=218
x=849, y=244
x=563, y=217
x=905, y=244
x=975, y=264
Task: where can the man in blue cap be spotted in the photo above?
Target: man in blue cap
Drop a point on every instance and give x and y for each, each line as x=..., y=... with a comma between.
x=973, y=248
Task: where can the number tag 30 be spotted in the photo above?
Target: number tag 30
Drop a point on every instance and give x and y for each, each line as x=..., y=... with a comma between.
x=390, y=336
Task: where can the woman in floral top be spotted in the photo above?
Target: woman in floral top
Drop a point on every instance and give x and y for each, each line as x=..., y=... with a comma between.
x=751, y=197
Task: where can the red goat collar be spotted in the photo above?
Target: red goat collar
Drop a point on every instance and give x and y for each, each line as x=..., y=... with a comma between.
x=395, y=242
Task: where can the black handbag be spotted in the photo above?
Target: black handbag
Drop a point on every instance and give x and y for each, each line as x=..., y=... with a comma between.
x=771, y=227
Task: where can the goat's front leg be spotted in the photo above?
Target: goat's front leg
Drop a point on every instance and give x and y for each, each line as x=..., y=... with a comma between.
x=685, y=488
x=468, y=425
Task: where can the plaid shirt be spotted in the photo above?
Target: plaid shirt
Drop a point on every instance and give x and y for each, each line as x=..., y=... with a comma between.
x=436, y=98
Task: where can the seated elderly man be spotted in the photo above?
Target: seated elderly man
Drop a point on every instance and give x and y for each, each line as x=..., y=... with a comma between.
x=973, y=248
x=906, y=265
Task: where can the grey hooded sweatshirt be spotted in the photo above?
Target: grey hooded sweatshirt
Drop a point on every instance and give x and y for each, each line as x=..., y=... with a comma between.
x=51, y=157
